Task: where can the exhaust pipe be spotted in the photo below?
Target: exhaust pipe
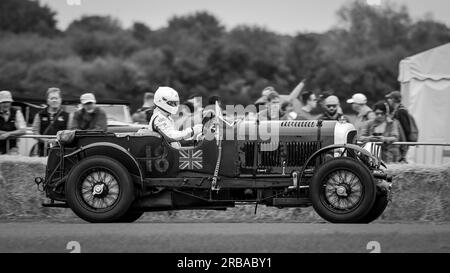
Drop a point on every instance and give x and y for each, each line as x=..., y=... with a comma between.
x=382, y=176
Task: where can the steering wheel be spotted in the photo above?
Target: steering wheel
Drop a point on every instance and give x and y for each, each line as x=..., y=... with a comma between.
x=211, y=129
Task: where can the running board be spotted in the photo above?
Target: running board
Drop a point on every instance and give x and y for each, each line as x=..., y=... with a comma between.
x=55, y=205
x=291, y=202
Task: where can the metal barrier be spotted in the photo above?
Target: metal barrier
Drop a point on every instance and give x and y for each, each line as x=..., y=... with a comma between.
x=436, y=155
x=25, y=151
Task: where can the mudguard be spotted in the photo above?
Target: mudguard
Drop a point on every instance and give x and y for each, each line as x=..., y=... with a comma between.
x=376, y=161
x=119, y=153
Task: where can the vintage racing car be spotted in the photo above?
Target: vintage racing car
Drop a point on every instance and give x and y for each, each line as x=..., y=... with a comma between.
x=116, y=177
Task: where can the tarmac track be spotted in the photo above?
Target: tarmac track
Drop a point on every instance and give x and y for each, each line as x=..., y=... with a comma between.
x=223, y=237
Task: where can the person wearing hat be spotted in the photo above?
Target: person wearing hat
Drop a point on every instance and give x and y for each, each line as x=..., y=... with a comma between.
x=331, y=109
x=365, y=113
x=89, y=117
x=271, y=111
x=143, y=114
x=400, y=113
x=50, y=120
x=12, y=123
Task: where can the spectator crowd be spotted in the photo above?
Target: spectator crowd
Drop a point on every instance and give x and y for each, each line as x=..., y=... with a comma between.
x=386, y=122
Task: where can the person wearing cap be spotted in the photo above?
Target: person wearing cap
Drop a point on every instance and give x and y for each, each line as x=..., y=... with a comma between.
x=264, y=99
x=143, y=114
x=309, y=101
x=271, y=111
x=331, y=111
x=50, y=120
x=89, y=117
x=400, y=113
x=12, y=123
x=365, y=113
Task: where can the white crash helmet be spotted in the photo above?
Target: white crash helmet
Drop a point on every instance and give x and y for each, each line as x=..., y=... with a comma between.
x=167, y=99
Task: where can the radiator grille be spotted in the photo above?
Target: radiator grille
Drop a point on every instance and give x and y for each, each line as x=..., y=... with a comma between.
x=293, y=153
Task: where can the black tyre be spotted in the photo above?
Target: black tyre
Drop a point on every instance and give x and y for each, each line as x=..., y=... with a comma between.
x=130, y=217
x=342, y=190
x=378, y=208
x=99, y=190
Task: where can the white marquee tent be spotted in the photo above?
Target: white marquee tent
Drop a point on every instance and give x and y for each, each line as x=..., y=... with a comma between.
x=425, y=87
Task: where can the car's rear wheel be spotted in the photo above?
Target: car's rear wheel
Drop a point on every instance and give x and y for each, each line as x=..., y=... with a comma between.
x=378, y=208
x=99, y=190
x=342, y=190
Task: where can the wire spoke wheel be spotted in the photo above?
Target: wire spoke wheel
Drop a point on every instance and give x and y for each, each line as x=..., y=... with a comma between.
x=99, y=188
x=342, y=190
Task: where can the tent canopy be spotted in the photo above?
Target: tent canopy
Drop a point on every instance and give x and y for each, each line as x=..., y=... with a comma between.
x=432, y=64
x=425, y=87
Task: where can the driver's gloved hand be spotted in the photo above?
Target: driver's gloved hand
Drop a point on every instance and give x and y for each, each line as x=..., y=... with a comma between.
x=197, y=129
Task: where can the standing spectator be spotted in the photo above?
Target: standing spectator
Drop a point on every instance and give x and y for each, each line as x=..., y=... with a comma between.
x=12, y=124
x=400, y=113
x=143, y=114
x=365, y=114
x=272, y=111
x=309, y=101
x=331, y=107
x=51, y=119
x=321, y=101
x=89, y=117
x=262, y=102
x=287, y=111
x=383, y=129
x=270, y=90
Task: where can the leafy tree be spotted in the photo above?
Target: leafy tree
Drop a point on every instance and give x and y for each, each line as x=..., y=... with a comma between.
x=426, y=34
x=141, y=32
x=96, y=23
x=370, y=28
x=99, y=36
x=20, y=16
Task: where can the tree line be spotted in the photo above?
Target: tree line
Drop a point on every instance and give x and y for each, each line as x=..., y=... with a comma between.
x=198, y=56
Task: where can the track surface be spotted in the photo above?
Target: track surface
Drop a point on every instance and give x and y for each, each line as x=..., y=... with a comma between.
x=223, y=237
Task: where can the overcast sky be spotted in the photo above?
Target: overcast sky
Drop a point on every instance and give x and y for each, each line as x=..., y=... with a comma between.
x=283, y=16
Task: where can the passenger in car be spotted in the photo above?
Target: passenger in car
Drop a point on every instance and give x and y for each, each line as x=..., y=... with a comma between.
x=143, y=114
x=12, y=124
x=167, y=102
x=89, y=117
x=50, y=120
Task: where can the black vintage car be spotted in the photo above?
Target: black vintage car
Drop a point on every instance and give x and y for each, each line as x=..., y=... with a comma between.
x=116, y=177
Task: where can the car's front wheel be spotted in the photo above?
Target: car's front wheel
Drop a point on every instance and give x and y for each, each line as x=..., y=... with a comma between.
x=99, y=190
x=342, y=190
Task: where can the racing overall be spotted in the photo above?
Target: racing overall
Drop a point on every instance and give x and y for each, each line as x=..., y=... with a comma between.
x=162, y=123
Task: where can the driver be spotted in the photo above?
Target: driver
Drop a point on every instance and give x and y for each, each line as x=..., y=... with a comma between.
x=167, y=101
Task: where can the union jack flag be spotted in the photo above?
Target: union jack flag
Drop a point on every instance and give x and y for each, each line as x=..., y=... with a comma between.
x=191, y=159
